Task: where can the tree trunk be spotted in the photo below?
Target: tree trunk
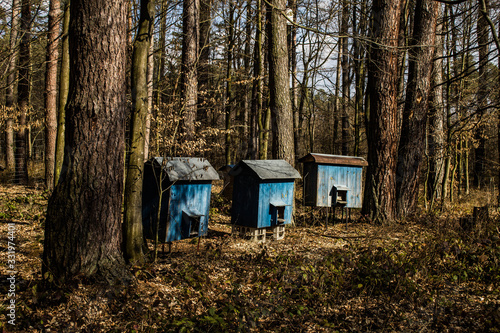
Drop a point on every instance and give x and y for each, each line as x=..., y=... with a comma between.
x=189, y=86
x=132, y=224
x=380, y=188
x=482, y=93
x=23, y=94
x=229, y=84
x=412, y=141
x=83, y=225
x=344, y=29
x=51, y=92
x=63, y=94
x=204, y=62
x=279, y=82
x=436, y=130
x=12, y=74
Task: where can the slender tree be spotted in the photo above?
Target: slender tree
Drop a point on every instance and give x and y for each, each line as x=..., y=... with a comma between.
x=23, y=94
x=63, y=93
x=380, y=184
x=344, y=30
x=12, y=71
x=83, y=224
x=132, y=224
x=51, y=92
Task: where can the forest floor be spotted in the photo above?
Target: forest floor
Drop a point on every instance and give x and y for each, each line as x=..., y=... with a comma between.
x=426, y=274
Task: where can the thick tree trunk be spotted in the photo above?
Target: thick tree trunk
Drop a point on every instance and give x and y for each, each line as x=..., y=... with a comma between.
x=189, y=86
x=279, y=82
x=63, y=94
x=132, y=224
x=412, y=141
x=83, y=225
x=51, y=92
x=12, y=74
x=23, y=94
x=380, y=189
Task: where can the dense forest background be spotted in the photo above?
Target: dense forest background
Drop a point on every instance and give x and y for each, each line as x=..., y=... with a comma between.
x=228, y=113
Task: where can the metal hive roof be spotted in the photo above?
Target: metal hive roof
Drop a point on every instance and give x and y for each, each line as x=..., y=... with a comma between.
x=187, y=168
x=267, y=169
x=334, y=159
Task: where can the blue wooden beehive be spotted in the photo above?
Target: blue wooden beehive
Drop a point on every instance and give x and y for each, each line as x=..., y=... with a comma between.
x=263, y=193
x=186, y=185
x=333, y=180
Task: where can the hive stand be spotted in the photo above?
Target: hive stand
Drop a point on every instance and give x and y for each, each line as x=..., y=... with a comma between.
x=259, y=234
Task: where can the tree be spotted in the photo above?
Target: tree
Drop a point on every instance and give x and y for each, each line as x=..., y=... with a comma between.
x=279, y=87
x=189, y=86
x=23, y=94
x=83, y=224
x=412, y=141
x=12, y=71
x=344, y=41
x=63, y=94
x=380, y=184
x=51, y=92
x=436, y=130
x=482, y=92
x=132, y=224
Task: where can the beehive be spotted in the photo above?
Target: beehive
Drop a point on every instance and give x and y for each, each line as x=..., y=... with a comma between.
x=333, y=180
x=184, y=185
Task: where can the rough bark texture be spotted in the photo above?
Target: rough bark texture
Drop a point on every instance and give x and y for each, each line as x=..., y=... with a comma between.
x=436, y=131
x=10, y=96
x=23, y=95
x=279, y=86
x=412, y=142
x=482, y=92
x=132, y=224
x=83, y=226
x=51, y=92
x=63, y=94
x=380, y=188
x=190, y=32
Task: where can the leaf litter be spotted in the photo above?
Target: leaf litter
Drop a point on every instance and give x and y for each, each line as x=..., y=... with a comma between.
x=423, y=275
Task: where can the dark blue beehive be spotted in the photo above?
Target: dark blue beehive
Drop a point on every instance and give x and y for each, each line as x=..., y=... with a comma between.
x=263, y=193
x=333, y=180
x=185, y=189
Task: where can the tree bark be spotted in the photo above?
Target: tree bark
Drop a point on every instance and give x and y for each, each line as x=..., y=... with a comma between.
x=412, y=141
x=63, y=94
x=51, y=92
x=132, y=224
x=279, y=82
x=23, y=94
x=482, y=92
x=10, y=95
x=83, y=225
x=189, y=86
x=380, y=187
x=436, y=129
